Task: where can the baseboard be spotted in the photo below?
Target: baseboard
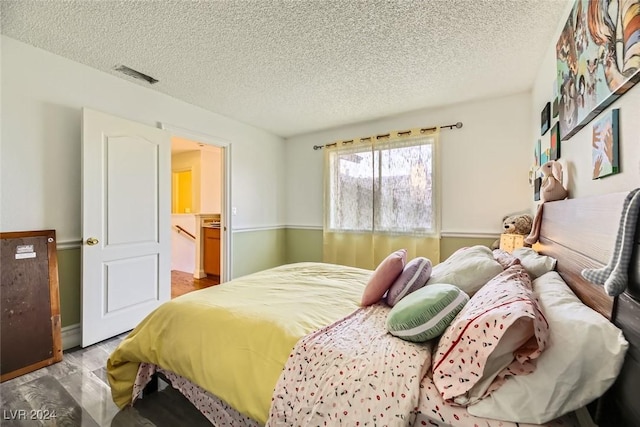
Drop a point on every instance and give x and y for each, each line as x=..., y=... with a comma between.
x=71, y=336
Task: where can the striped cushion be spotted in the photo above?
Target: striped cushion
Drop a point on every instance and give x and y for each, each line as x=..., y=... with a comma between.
x=414, y=276
x=426, y=313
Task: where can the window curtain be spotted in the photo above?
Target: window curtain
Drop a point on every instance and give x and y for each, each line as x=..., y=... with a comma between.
x=380, y=195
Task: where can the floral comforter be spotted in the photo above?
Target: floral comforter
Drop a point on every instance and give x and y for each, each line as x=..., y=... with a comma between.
x=354, y=373
x=351, y=373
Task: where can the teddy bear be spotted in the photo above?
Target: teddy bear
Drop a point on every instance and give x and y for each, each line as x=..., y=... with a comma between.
x=515, y=224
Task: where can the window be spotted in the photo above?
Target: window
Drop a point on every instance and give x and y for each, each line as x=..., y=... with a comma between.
x=385, y=187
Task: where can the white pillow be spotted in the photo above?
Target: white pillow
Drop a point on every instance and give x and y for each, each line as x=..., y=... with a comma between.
x=467, y=268
x=581, y=362
x=535, y=264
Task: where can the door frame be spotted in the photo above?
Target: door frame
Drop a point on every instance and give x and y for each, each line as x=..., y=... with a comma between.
x=225, y=231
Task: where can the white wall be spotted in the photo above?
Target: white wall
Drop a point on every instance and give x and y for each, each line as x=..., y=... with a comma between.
x=42, y=98
x=183, y=247
x=484, y=165
x=576, y=152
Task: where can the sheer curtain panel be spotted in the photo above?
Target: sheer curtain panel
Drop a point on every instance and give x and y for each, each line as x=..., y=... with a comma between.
x=380, y=195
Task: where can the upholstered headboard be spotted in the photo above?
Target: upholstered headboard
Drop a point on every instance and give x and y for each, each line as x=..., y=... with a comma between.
x=580, y=233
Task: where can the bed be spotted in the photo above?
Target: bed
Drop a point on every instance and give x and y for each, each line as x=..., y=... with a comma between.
x=581, y=233
x=183, y=342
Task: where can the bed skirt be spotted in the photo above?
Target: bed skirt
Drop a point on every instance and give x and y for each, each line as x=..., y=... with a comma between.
x=215, y=410
x=222, y=415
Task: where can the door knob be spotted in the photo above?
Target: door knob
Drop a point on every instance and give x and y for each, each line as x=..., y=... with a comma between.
x=92, y=241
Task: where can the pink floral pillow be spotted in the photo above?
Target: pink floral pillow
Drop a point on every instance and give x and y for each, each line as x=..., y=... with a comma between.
x=384, y=276
x=498, y=333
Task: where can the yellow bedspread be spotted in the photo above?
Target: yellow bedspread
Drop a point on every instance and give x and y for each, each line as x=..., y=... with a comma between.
x=234, y=339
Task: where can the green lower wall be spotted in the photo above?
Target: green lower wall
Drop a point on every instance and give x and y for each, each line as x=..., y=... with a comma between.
x=258, y=250
x=69, y=270
x=252, y=251
x=449, y=245
x=306, y=244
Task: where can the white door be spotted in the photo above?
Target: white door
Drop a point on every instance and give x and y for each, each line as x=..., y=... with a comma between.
x=126, y=250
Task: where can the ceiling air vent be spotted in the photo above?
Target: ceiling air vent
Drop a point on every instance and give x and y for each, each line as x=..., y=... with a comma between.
x=135, y=74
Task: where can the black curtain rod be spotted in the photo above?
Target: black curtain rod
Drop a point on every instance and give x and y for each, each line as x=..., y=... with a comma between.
x=457, y=126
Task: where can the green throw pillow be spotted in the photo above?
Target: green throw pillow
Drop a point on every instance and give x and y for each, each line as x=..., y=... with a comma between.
x=426, y=313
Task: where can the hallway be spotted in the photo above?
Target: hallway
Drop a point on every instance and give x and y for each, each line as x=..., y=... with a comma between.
x=182, y=282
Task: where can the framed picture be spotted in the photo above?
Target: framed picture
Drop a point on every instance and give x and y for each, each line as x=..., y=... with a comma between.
x=544, y=157
x=537, y=153
x=545, y=118
x=554, y=105
x=536, y=188
x=554, y=143
x=604, y=146
x=594, y=57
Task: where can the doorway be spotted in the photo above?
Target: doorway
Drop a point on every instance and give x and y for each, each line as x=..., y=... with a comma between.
x=199, y=221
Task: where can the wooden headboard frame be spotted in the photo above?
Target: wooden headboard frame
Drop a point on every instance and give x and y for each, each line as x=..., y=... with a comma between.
x=580, y=233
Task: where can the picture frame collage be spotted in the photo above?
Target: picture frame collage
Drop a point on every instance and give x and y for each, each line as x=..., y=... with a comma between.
x=582, y=92
x=548, y=115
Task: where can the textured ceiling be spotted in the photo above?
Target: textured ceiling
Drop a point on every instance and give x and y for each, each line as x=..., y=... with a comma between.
x=292, y=67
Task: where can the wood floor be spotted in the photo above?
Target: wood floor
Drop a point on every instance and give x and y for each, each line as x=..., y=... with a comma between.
x=182, y=282
x=76, y=393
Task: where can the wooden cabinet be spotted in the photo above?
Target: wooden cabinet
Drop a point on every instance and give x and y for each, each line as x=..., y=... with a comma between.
x=211, y=253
